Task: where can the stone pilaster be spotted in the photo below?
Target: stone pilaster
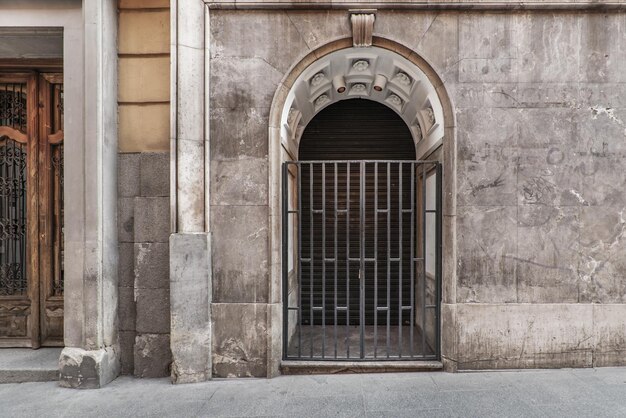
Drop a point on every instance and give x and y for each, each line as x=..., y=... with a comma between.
x=90, y=358
x=190, y=249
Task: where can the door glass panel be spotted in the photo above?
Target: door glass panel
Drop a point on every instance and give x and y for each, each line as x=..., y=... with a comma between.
x=13, y=279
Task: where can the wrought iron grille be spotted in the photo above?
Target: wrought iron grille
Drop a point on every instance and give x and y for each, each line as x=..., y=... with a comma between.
x=56, y=153
x=12, y=218
x=361, y=260
x=13, y=105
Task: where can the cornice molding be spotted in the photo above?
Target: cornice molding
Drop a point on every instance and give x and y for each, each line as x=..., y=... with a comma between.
x=588, y=5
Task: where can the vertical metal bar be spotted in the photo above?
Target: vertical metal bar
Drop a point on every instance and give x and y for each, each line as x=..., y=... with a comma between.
x=323, y=259
x=311, y=254
x=412, y=256
x=362, y=261
x=375, y=259
x=400, y=263
x=335, y=258
x=285, y=261
x=388, y=257
x=299, y=278
x=438, y=267
x=348, y=175
x=424, y=192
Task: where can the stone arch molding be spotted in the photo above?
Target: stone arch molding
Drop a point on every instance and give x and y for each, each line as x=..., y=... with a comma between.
x=371, y=73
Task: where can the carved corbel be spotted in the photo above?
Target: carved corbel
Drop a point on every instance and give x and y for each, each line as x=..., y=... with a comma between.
x=362, y=27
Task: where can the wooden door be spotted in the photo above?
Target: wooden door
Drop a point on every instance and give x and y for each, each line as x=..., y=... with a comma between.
x=31, y=201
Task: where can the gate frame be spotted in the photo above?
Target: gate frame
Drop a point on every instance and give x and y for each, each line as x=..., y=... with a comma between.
x=448, y=241
x=286, y=212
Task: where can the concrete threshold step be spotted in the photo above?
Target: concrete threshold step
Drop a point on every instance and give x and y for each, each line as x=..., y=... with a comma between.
x=19, y=365
x=334, y=367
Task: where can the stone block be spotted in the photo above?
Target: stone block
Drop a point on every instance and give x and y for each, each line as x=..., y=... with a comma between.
x=190, y=296
x=486, y=253
x=548, y=253
x=152, y=355
x=242, y=83
x=190, y=191
x=511, y=336
x=151, y=265
x=127, y=351
x=154, y=174
x=144, y=32
x=493, y=70
x=152, y=219
x=550, y=176
x=488, y=177
x=603, y=182
x=258, y=34
x=126, y=265
x=88, y=369
x=602, y=48
x=143, y=79
x=602, y=259
x=144, y=127
x=190, y=79
x=240, y=253
x=612, y=95
x=126, y=310
x=321, y=28
x=609, y=335
x=239, y=182
x=153, y=311
x=192, y=13
x=240, y=339
x=144, y=4
x=248, y=140
x=449, y=356
x=488, y=35
x=548, y=46
x=547, y=128
x=126, y=219
x=128, y=175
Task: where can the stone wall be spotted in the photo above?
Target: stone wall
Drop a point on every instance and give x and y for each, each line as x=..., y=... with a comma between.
x=143, y=187
x=540, y=102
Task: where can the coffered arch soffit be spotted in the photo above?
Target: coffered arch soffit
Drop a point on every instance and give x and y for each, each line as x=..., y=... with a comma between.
x=370, y=73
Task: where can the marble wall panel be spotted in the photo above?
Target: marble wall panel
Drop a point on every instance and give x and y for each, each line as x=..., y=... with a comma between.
x=486, y=265
x=248, y=140
x=240, y=335
x=548, y=254
x=240, y=254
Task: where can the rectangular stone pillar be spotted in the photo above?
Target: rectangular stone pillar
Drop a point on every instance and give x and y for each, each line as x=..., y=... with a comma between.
x=190, y=243
x=190, y=299
x=90, y=358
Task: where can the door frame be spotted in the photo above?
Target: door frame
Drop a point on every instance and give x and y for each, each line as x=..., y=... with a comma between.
x=36, y=139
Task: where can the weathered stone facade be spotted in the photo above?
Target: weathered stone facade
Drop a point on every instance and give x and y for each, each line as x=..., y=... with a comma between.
x=174, y=255
x=539, y=128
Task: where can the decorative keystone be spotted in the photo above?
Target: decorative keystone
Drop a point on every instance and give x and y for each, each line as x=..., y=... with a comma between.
x=362, y=27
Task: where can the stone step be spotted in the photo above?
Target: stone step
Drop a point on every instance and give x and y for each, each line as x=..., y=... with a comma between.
x=334, y=367
x=19, y=365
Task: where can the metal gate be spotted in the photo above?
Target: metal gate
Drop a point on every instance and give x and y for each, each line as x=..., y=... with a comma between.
x=361, y=260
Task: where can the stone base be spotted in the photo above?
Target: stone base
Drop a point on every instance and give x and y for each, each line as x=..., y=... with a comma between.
x=336, y=367
x=88, y=369
x=190, y=300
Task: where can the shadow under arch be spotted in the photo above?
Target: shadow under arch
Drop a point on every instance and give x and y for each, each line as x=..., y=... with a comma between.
x=277, y=154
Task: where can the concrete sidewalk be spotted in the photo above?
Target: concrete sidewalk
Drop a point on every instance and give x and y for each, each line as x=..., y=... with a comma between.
x=551, y=393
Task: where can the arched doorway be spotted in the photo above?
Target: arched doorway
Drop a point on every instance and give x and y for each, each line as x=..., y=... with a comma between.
x=393, y=75
x=360, y=222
